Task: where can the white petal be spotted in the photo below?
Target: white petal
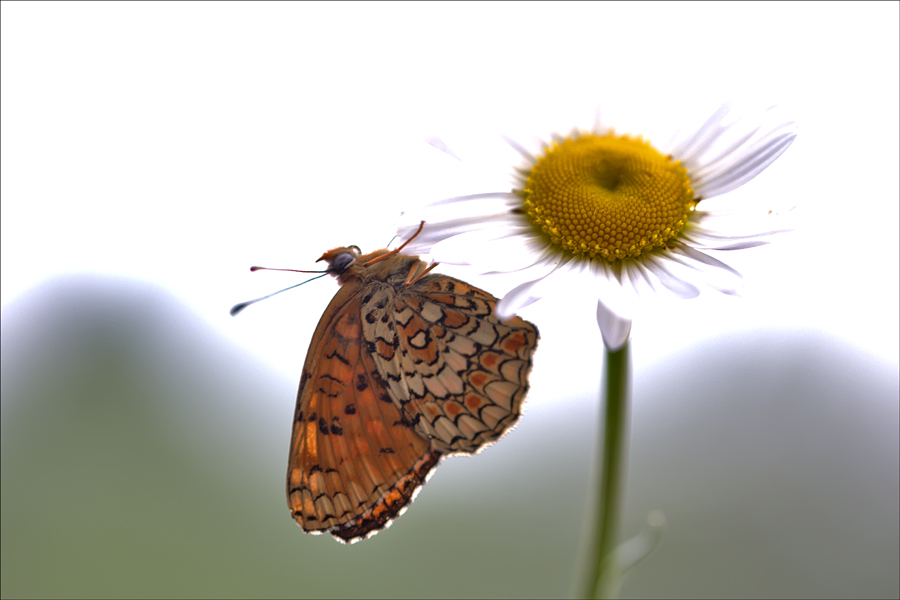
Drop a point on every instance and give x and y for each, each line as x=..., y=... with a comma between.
x=700, y=257
x=707, y=133
x=433, y=233
x=529, y=292
x=528, y=156
x=616, y=291
x=492, y=253
x=508, y=198
x=614, y=327
x=441, y=145
x=639, y=278
x=518, y=298
x=722, y=156
x=522, y=252
x=674, y=284
x=721, y=277
x=735, y=245
x=713, y=163
x=739, y=173
x=709, y=241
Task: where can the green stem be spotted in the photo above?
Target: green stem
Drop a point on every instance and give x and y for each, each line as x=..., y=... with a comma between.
x=603, y=573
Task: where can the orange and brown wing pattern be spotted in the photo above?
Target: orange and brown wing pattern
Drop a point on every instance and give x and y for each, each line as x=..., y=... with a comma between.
x=355, y=461
x=453, y=369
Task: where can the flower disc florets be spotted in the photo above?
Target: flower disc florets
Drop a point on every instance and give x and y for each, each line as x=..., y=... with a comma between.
x=607, y=196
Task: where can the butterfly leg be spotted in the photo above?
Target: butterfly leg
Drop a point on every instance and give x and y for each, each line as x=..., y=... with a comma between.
x=387, y=255
x=416, y=272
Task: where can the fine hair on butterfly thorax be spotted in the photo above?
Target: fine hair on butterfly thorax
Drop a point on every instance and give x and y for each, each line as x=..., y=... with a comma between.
x=405, y=368
x=341, y=260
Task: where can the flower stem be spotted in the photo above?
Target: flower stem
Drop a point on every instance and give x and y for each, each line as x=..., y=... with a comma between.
x=603, y=572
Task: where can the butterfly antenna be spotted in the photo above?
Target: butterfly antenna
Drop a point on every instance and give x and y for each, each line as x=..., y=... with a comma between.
x=239, y=307
x=254, y=269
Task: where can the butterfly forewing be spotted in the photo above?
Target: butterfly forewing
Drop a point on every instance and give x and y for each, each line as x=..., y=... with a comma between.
x=350, y=451
x=399, y=374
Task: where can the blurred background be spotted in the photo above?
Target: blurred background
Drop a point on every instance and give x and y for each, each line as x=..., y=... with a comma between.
x=152, y=152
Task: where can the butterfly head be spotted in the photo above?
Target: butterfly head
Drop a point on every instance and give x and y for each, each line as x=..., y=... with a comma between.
x=341, y=259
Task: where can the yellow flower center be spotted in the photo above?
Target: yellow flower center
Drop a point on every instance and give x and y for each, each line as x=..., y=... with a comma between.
x=607, y=196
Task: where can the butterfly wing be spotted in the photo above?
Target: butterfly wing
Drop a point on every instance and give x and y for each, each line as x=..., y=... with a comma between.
x=454, y=370
x=355, y=462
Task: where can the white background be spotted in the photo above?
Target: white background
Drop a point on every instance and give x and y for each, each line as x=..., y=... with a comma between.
x=180, y=143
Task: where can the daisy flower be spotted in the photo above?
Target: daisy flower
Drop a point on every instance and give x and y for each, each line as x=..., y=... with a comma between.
x=632, y=215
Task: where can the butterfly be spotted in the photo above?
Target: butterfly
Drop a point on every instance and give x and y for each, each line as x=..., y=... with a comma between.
x=404, y=369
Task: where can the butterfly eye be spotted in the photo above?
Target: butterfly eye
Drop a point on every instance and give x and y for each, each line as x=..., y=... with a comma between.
x=341, y=262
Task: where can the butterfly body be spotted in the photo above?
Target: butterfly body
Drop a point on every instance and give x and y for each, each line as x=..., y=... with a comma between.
x=404, y=369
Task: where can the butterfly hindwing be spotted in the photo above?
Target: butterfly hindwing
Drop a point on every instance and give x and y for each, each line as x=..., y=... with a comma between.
x=454, y=370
